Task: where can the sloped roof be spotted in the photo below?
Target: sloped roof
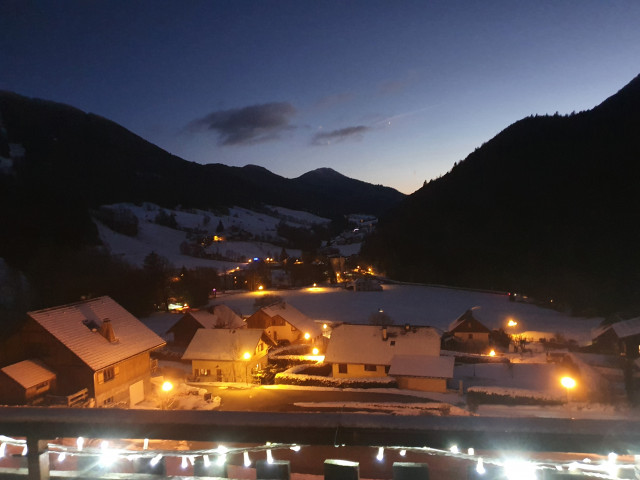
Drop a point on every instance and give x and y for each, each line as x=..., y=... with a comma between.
x=29, y=373
x=66, y=324
x=293, y=316
x=364, y=343
x=222, y=343
x=422, y=366
x=221, y=315
x=622, y=329
x=468, y=322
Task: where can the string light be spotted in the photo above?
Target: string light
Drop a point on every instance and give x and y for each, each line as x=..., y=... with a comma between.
x=269, y=457
x=380, y=455
x=145, y=445
x=183, y=465
x=61, y=457
x=403, y=452
x=295, y=448
x=3, y=448
x=80, y=443
x=206, y=461
x=480, y=467
x=25, y=450
x=454, y=449
x=247, y=460
x=471, y=451
x=155, y=460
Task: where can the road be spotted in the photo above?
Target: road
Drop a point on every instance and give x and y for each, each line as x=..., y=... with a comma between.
x=261, y=399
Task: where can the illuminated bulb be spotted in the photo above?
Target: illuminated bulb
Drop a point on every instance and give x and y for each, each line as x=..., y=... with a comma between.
x=612, y=468
x=222, y=450
x=519, y=470
x=184, y=462
x=315, y=351
x=612, y=457
x=80, y=443
x=247, y=460
x=25, y=450
x=154, y=461
x=145, y=445
x=221, y=459
x=454, y=449
x=104, y=445
x=205, y=459
x=471, y=451
x=307, y=336
x=480, y=467
x=295, y=448
x=380, y=455
x=559, y=468
x=3, y=448
x=403, y=452
x=586, y=460
x=573, y=466
x=269, y=457
x=61, y=457
x=107, y=457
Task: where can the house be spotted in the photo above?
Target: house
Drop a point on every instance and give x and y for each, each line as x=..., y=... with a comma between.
x=285, y=324
x=422, y=372
x=94, y=344
x=25, y=383
x=357, y=351
x=228, y=355
x=217, y=316
x=467, y=333
x=619, y=338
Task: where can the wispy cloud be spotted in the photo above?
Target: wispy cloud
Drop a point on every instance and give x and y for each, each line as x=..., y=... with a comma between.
x=247, y=125
x=340, y=135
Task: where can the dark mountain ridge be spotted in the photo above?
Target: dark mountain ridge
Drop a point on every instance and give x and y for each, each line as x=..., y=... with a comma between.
x=75, y=161
x=549, y=207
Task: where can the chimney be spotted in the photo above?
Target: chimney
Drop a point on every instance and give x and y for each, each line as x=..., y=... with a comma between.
x=106, y=330
x=384, y=334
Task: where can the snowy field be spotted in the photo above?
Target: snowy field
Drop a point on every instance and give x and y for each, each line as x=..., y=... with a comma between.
x=420, y=305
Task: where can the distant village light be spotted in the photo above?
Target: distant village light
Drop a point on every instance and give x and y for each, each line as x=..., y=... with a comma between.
x=260, y=287
x=315, y=351
x=492, y=353
x=511, y=323
x=167, y=386
x=246, y=355
x=568, y=382
x=307, y=336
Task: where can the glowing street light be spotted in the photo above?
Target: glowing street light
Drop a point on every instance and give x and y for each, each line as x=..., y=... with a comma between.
x=568, y=383
x=511, y=323
x=307, y=336
x=492, y=353
x=166, y=388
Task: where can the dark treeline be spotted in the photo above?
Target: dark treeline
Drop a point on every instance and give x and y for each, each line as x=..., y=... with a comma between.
x=549, y=207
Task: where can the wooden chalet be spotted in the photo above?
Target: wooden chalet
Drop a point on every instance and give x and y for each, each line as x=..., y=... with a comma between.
x=620, y=338
x=228, y=355
x=217, y=316
x=410, y=354
x=285, y=324
x=95, y=344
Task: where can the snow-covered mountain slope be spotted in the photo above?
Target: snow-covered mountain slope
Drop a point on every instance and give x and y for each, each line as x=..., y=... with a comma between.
x=246, y=233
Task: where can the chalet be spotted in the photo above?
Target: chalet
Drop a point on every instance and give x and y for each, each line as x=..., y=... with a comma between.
x=285, y=324
x=95, y=344
x=468, y=329
x=619, y=338
x=411, y=353
x=218, y=316
x=228, y=355
x=25, y=383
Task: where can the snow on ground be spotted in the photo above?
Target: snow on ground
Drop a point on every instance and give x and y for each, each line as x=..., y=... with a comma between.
x=420, y=305
x=166, y=241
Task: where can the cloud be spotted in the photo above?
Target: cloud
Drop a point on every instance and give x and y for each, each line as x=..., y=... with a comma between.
x=247, y=125
x=340, y=135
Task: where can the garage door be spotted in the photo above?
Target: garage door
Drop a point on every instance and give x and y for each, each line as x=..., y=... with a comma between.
x=136, y=393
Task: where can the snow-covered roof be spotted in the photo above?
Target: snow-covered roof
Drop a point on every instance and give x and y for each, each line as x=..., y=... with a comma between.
x=29, y=373
x=221, y=315
x=222, y=344
x=471, y=316
x=365, y=344
x=422, y=366
x=623, y=329
x=293, y=316
x=77, y=326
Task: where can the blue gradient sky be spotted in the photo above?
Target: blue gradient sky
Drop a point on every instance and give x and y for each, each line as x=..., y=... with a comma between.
x=391, y=93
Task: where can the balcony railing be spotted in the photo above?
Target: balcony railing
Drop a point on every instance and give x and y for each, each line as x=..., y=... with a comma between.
x=39, y=425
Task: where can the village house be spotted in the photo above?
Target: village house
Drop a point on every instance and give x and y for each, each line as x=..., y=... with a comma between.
x=95, y=345
x=217, y=316
x=25, y=383
x=285, y=324
x=467, y=333
x=228, y=355
x=619, y=338
x=409, y=353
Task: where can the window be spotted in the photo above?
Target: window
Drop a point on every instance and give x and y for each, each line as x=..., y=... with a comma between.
x=392, y=342
x=108, y=401
x=471, y=336
x=342, y=368
x=370, y=368
x=109, y=374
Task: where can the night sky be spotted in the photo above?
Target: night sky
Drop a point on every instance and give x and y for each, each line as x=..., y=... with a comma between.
x=391, y=93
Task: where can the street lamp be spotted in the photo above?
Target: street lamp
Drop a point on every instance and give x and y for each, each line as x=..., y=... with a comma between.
x=568, y=383
x=166, y=388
